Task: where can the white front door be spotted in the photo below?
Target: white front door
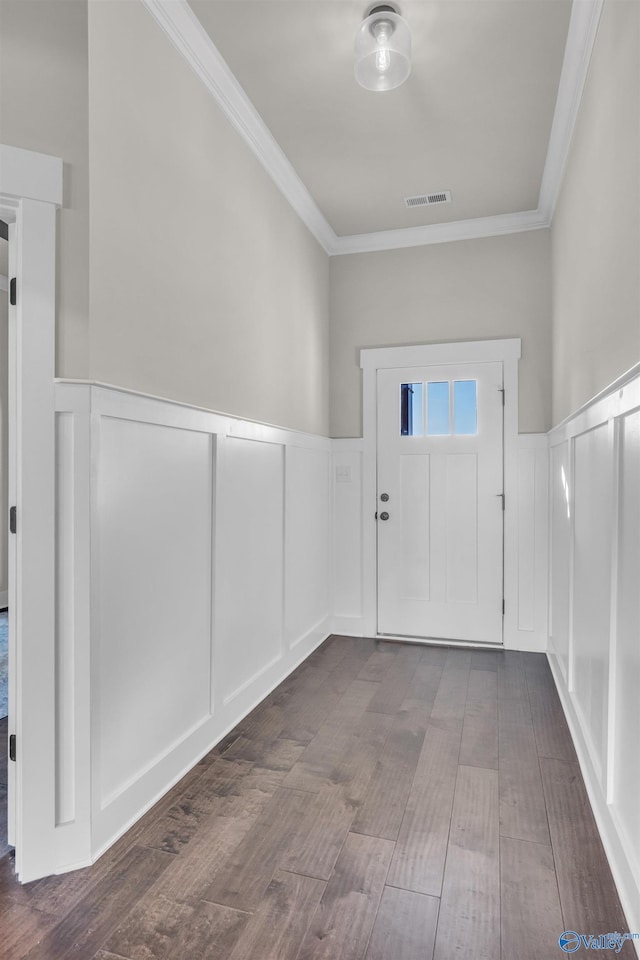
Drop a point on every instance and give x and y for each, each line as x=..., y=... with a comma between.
x=440, y=503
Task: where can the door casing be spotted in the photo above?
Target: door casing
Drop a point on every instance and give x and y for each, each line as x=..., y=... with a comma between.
x=30, y=192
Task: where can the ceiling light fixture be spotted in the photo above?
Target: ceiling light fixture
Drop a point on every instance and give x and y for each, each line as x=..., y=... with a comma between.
x=382, y=49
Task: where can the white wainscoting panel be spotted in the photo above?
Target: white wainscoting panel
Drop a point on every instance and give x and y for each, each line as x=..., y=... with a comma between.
x=250, y=581
x=347, y=536
x=526, y=573
x=592, y=532
x=307, y=546
x=560, y=558
x=152, y=557
x=194, y=574
x=595, y=613
x=624, y=791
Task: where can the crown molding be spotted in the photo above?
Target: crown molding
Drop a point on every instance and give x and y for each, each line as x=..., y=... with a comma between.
x=182, y=27
x=189, y=37
x=583, y=27
x=441, y=233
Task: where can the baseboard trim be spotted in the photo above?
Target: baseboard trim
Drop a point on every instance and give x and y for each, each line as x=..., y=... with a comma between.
x=627, y=885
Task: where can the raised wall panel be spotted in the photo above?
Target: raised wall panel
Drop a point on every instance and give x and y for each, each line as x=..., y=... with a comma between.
x=560, y=592
x=592, y=583
x=414, y=573
x=526, y=539
x=626, y=771
x=462, y=528
x=347, y=534
x=307, y=531
x=65, y=621
x=250, y=572
x=599, y=692
x=151, y=678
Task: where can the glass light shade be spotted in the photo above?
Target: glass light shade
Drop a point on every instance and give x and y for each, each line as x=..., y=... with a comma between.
x=382, y=51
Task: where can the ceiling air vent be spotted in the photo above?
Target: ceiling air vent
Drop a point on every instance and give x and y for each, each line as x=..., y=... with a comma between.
x=427, y=199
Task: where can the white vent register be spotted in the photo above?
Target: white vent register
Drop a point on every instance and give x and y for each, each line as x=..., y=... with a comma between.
x=428, y=199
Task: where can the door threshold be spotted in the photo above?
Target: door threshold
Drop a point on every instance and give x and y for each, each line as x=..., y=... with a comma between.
x=440, y=641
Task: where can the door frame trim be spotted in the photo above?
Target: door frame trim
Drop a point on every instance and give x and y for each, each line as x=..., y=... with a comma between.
x=31, y=189
x=372, y=359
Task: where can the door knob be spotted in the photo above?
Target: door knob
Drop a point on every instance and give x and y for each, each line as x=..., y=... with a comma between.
x=384, y=515
x=384, y=497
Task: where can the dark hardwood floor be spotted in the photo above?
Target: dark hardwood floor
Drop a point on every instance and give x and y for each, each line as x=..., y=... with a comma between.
x=386, y=802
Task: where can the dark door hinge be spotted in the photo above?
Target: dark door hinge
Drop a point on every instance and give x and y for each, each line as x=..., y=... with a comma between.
x=501, y=390
x=12, y=291
x=502, y=497
x=12, y=747
x=12, y=520
x=503, y=608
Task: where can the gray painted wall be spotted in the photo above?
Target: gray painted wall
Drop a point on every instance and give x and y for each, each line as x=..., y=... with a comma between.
x=205, y=285
x=43, y=107
x=470, y=290
x=596, y=228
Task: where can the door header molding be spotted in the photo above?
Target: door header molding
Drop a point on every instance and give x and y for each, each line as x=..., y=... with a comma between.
x=425, y=354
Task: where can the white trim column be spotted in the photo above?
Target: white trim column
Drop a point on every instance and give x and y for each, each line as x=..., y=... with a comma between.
x=30, y=190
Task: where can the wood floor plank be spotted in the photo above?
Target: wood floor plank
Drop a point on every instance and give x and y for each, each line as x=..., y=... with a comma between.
x=343, y=749
x=523, y=813
x=485, y=660
x=588, y=896
x=405, y=926
x=211, y=932
x=479, y=746
x=343, y=922
x=469, y=921
x=315, y=845
x=434, y=654
x=392, y=690
x=531, y=917
x=550, y=726
x=242, y=881
x=425, y=681
x=382, y=809
x=149, y=929
x=421, y=848
x=22, y=927
x=271, y=754
x=451, y=697
x=86, y=927
x=192, y=872
x=377, y=666
x=281, y=921
x=512, y=680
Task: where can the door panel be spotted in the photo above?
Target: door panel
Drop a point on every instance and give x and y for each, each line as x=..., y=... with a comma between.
x=440, y=464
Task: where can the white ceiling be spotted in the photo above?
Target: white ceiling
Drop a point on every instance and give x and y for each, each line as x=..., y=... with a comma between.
x=474, y=116
x=487, y=113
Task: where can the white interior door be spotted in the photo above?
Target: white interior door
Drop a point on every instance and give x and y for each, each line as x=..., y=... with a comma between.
x=440, y=503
